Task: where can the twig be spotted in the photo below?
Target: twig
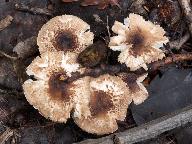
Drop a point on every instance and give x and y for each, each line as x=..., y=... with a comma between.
x=95, y=72
x=148, y=130
x=114, y=69
x=5, y=22
x=33, y=10
x=6, y=135
x=177, y=44
x=109, y=34
x=7, y=56
x=174, y=58
x=187, y=9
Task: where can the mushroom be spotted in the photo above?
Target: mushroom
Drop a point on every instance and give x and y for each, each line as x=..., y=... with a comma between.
x=137, y=90
x=64, y=33
x=139, y=41
x=109, y=98
x=50, y=93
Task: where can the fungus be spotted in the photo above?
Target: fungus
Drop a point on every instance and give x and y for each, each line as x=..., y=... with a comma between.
x=139, y=41
x=108, y=101
x=50, y=93
x=64, y=33
x=138, y=92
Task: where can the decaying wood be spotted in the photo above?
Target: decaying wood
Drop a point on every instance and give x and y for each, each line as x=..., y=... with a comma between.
x=5, y=22
x=7, y=56
x=114, y=69
x=26, y=48
x=148, y=130
x=6, y=135
x=187, y=9
x=177, y=44
x=169, y=60
x=33, y=10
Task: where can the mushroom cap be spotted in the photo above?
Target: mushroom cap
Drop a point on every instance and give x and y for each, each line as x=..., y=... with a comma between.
x=137, y=90
x=64, y=33
x=49, y=93
x=108, y=101
x=42, y=67
x=138, y=40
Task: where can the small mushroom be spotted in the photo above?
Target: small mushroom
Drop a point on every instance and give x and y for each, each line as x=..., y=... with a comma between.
x=64, y=33
x=139, y=41
x=137, y=90
x=109, y=98
x=50, y=93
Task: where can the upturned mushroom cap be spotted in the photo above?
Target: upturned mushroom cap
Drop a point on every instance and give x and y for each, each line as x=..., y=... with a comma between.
x=138, y=40
x=64, y=33
x=49, y=93
x=137, y=90
x=108, y=101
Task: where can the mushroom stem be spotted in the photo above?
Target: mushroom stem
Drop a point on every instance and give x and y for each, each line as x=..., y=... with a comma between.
x=115, y=69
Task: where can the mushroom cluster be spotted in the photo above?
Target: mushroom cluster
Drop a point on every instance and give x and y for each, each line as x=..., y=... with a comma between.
x=95, y=103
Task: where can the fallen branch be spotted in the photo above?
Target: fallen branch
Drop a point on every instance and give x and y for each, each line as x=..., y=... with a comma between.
x=95, y=72
x=5, y=22
x=7, y=56
x=115, y=69
x=148, y=130
x=33, y=10
x=177, y=44
x=174, y=58
x=187, y=9
x=6, y=135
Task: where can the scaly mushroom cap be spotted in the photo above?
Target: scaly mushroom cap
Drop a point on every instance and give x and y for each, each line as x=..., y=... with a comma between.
x=137, y=90
x=64, y=33
x=138, y=40
x=108, y=101
x=49, y=93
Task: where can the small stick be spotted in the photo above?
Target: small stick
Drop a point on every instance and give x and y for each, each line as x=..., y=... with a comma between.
x=33, y=10
x=174, y=58
x=6, y=135
x=148, y=130
x=177, y=44
x=187, y=9
x=109, y=34
x=8, y=56
x=5, y=22
x=115, y=69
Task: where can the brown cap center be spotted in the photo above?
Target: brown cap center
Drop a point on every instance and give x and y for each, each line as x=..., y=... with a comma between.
x=65, y=41
x=138, y=40
x=58, y=87
x=100, y=103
